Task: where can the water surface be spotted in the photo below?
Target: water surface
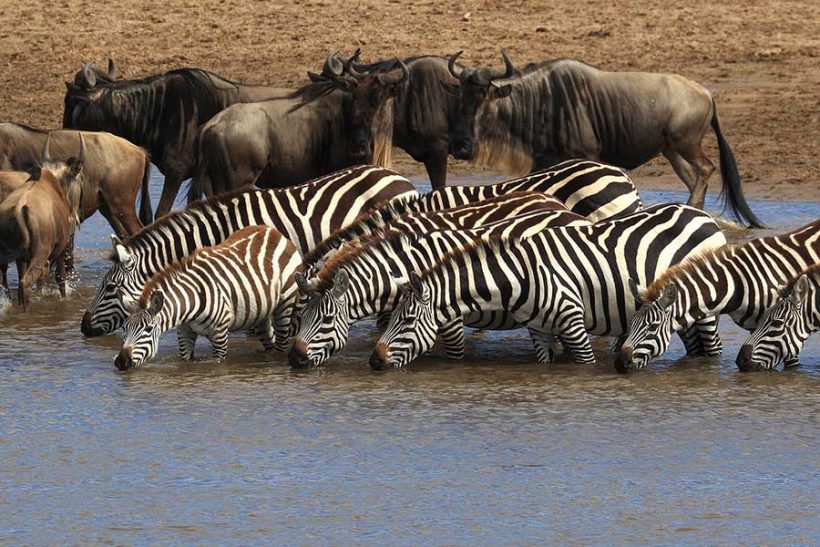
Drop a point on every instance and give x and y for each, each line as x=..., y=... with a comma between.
x=494, y=450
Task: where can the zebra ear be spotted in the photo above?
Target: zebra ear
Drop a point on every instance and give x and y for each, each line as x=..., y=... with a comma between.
x=636, y=292
x=416, y=284
x=340, y=284
x=157, y=301
x=305, y=286
x=801, y=287
x=670, y=293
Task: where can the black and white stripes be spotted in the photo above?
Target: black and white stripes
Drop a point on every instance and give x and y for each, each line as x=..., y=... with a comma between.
x=305, y=214
x=246, y=282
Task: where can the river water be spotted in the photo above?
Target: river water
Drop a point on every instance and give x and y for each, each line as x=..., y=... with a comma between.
x=494, y=450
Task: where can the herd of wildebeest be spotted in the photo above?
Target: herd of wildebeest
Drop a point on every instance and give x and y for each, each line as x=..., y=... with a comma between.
x=305, y=229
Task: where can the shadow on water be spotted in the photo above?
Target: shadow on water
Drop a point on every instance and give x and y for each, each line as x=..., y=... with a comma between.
x=495, y=447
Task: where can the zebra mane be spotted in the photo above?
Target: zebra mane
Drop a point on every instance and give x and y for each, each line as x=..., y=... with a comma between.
x=357, y=248
x=165, y=273
x=812, y=272
x=174, y=217
x=372, y=220
x=690, y=265
x=488, y=242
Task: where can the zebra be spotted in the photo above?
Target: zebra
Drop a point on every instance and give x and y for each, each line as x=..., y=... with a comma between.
x=366, y=273
x=594, y=190
x=245, y=282
x=734, y=280
x=786, y=326
x=470, y=215
x=326, y=317
x=306, y=214
x=565, y=281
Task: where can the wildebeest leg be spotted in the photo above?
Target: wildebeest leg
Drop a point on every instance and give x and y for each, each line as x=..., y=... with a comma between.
x=113, y=220
x=23, y=283
x=59, y=272
x=694, y=169
x=436, y=166
x=128, y=219
x=68, y=255
x=4, y=276
x=169, y=194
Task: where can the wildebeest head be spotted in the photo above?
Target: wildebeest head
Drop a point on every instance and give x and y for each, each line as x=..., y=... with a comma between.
x=82, y=105
x=68, y=174
x=477, y=86
x=372, y=118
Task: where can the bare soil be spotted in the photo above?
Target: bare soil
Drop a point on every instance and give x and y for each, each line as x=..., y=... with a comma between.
x=760, y=59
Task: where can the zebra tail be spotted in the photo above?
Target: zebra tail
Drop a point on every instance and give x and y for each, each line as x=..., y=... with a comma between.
x=146, y=211
x=732, y=190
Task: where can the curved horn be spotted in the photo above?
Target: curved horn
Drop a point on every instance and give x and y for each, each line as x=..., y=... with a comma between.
x=90, y=79
x=45, y=156
x=392, y=78
x=353, y=58
x=82, y=148
x=485, y=76
x=333, y=66
x=112, y=69
x=350, y=66
x=451, y=64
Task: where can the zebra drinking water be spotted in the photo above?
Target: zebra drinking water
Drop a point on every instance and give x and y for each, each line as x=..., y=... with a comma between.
x=734, y=280
x=246, y=282
x=786, y=326
x=564, y=282
x=305, y=214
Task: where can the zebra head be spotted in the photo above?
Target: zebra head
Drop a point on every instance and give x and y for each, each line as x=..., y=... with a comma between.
x=650, y=330
x=115, y=297
x=780, y=335
x=324, y=322
x=412, y=329
x=141, y=334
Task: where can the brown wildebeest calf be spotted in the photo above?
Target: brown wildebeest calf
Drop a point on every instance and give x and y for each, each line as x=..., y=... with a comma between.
x=37, y=221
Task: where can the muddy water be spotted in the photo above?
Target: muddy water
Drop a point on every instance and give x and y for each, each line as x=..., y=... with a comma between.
x=493, y=450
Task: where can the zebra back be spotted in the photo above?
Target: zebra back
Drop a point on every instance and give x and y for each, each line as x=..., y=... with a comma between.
x=305, y=214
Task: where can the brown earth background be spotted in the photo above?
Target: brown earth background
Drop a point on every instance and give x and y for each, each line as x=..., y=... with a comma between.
x=760, y=59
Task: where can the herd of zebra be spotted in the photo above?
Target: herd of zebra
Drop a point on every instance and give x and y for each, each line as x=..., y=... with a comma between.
x=565, y=252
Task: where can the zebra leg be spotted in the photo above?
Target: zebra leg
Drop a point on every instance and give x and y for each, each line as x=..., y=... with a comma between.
x=452, y=334
x=791, y=362
x=691, y=341
x=543, y=342
x=707, y=333
x=219, y=339
x=186, y=338
x=282, y=317
x=617, y=343
x=382, y=320
x=573, y=334
x=264, y=332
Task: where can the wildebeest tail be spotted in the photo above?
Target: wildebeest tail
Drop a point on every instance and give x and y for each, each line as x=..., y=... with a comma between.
x=210, y=160
x=732, y=191
x=146, y=212
x=25, y=225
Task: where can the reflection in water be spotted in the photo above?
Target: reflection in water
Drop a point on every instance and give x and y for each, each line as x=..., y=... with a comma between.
x=496, y=448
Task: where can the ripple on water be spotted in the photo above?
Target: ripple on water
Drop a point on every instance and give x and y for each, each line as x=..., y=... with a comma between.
x=496, y=448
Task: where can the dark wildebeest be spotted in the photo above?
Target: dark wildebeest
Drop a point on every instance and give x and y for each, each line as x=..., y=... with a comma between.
x=565, y=109
x=114, y=170
x=37, y=221
x=161, y=113
x=283, y=142
x=101, y=76
x=422, y=110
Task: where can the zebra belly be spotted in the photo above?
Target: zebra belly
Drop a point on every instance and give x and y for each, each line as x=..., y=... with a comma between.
x=491, y=320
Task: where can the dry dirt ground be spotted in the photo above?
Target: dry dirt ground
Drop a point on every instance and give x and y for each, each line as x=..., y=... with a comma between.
x=760, y=59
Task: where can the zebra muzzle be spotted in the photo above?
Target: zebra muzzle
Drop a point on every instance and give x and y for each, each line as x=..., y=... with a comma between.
x=298, y=356
x=745, y=360
x=379, y=356
x=87, y=329
x=625, y=361
x=123, y=360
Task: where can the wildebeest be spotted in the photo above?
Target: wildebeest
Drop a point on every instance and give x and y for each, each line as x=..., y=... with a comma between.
x=37, y=221
x=114, y=170
x=100, y=75
x=558, y=110
x=161, y=113
x=422, y=110
x=282, y=142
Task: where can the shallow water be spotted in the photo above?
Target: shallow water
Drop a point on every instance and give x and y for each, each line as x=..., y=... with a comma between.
x=493, y=450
